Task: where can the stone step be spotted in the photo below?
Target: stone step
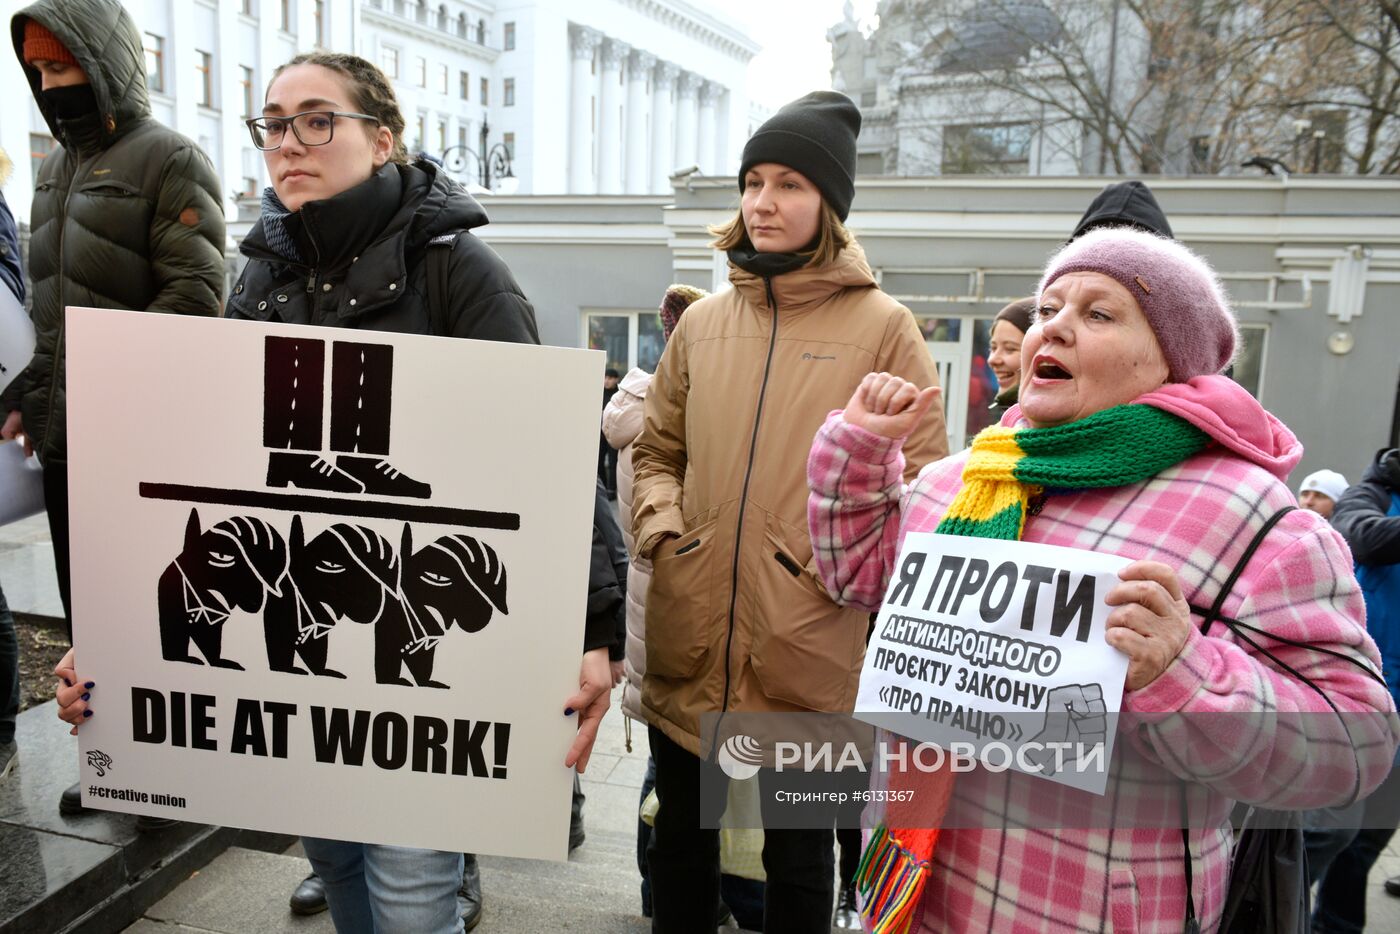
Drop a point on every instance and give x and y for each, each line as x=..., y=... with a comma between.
x=91, y=873
x=241, y=890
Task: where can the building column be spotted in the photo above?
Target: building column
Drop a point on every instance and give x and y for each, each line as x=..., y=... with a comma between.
x=709, y=97
x=583, y=43
x=663, y=134
x=687, y=116
x=638, y=111
x=610, y=118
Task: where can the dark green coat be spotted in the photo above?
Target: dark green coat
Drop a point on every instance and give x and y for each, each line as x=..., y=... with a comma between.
x=126, y=214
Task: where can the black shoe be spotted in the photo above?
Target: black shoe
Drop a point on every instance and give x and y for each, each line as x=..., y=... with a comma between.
x=469, y=893
x=310, y=896
x=9, y=755
x=381, y=479
x=847, y=913
x=309, y=472
x=145, y=824
x=1392, y=886
x=576, y=836
x=70, y=803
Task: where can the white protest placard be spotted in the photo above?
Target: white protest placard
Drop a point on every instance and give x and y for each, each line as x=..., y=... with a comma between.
x=330, y=582
x=983, y=642
x=16, y=337
x=21, y=479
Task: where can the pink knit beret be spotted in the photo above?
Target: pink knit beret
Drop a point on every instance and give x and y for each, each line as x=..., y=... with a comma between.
x=1176, y=289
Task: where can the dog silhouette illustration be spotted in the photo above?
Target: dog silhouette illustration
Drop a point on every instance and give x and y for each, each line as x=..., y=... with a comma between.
x=232, y=565
x=347, y=572
x=455, y=580
x=362, y=378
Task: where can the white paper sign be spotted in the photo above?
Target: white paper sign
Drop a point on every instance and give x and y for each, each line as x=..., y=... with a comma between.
x=999, y=644
x=16, y=337
x=330, y=582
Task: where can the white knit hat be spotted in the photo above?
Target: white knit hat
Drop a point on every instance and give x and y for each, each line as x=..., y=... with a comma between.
x=1327, y=482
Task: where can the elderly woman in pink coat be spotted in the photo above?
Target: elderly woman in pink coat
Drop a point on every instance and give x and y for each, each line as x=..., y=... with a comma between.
x=1125, y=441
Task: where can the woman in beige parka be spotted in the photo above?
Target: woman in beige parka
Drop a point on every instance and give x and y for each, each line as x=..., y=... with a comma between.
x=737, y=619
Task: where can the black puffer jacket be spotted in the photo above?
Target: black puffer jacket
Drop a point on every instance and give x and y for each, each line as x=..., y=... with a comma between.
x=368, y=268
x=1362, y=515
x=126, y=214
x=365, y=268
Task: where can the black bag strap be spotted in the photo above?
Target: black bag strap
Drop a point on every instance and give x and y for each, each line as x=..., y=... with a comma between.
x=438, y=259
x=1214, y=613
x=1208, y=617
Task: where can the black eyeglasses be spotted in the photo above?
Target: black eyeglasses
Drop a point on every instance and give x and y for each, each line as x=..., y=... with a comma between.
x=312, y=128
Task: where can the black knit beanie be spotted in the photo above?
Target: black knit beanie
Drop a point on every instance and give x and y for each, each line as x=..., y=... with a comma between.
x=816, y=135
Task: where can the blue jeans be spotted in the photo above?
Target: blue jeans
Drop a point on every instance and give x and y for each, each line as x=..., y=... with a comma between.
x=9, y=673
x=374, y=889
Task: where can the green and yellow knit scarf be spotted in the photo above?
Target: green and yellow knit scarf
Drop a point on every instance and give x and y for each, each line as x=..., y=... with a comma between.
x=1005, y=470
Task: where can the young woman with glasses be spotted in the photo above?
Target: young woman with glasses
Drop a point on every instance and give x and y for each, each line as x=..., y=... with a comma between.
x=341, y=241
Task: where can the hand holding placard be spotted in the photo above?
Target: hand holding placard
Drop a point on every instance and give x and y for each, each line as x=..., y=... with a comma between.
x=1150, y=622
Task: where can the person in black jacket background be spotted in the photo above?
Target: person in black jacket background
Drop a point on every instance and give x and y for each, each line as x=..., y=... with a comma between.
x=126, y=214
x=1342, y=850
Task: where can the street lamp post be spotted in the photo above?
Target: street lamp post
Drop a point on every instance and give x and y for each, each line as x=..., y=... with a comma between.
x=492, y=161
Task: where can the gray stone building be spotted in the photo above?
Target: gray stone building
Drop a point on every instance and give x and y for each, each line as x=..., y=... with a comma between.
x=1072, y=87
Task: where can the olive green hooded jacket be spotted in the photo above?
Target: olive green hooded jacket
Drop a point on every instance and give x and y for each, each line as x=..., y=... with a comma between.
x=126, y=214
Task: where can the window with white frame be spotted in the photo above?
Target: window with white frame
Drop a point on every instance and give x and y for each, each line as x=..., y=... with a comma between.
x=628, y=338
x=1248, y=368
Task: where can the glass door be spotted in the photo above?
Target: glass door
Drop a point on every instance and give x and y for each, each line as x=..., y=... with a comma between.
x=959, y=350
x=629, y=338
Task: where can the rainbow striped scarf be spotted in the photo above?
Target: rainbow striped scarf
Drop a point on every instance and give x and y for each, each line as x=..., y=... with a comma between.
x=1006, y=469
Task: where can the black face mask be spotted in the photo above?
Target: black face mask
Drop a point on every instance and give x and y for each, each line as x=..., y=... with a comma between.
x=70, y=103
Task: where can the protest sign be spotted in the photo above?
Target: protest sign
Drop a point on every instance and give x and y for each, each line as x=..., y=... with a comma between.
x=983, y=641
x=16, y=337
x=330, y=582
x=21, y=480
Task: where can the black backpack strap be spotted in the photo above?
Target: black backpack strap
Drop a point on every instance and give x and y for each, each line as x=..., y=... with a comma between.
x=438, y=260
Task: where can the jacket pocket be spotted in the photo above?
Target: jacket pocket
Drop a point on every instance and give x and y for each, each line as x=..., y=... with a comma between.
x=109, y=188
x=678, y=602
x=805, y=647
x=1123, y=901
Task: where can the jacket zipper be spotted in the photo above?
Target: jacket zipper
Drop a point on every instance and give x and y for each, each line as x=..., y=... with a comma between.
x=60, y=351
x=743, y=505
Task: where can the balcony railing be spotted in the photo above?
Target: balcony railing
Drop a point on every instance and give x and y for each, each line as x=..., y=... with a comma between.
x=418, y=12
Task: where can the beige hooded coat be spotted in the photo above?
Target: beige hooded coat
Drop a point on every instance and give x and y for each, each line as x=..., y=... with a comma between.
x=737, y=619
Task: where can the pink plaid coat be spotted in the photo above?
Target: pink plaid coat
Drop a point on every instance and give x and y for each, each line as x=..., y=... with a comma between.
x=1197, y=517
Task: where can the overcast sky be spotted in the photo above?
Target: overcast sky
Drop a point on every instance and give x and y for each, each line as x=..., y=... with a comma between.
x=796, y=57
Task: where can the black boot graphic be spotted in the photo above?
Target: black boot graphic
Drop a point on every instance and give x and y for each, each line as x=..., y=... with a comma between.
x=309, y=472
x=381, y=479
x=361, y=403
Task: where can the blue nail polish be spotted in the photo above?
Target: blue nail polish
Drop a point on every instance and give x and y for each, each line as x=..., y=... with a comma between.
x=568, y=711
x=87, y=697
x=90, y=685
x=87, y=713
